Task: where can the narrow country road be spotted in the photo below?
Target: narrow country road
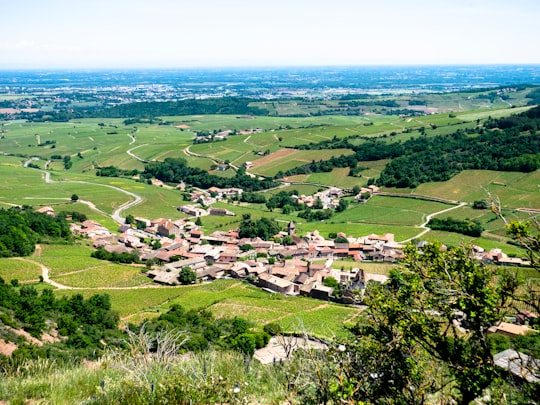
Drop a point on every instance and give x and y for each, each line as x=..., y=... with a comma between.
x=117, y=214
x=428, y=218
x=45, y=274
x=140, y=159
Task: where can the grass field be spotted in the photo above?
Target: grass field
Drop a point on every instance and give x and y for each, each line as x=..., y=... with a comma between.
x=390, y=211
x=295, y=158
x=336, y=178
x=18, y=269
x=512, y=188
x=61, y=259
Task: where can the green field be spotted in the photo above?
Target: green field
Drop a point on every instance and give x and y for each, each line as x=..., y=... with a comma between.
x=229, y=298
x=389, y=210
x=105, y=275
x=19, y=269
x=515, y=190
x=94, y=143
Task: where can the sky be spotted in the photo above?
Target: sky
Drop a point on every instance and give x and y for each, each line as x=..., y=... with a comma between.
x=45, y=34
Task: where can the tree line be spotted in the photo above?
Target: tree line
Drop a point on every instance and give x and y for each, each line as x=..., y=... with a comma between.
x=506, y=144
x=465, y=227
x=149, y=109
x=176, y=170
x=22, y=228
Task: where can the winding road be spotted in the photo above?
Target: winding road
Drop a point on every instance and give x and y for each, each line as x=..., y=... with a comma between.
x=116, y=215
x=428, y=218
x=140, y=159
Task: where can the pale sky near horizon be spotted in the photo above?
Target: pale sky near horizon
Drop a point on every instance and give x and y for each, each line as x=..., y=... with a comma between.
x=211, y=33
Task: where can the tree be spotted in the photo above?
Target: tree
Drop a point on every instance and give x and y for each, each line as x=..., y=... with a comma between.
x=130, y=219
x=342, y=206
x=74, y=198
x=480, y=205
x=288, y=240
x=415, y=315
x=187, y=276
x=141, y=225
x=530, y=241
x=245, y=343
x=246, y=247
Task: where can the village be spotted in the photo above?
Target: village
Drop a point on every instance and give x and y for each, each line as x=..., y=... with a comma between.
x=304, y=266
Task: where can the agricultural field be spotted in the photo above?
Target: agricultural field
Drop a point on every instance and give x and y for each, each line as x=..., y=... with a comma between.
x=267, y=142
x=287, y=159
x=386, y=210
x=514, y=190
x=63, y=259
x=228, y=298
x=19, y=269
x=105, y=275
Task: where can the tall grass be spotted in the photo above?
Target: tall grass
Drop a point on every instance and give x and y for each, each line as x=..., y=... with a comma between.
x=148, y=373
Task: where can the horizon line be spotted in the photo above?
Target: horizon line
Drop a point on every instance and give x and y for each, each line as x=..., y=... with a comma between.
x=245, y=67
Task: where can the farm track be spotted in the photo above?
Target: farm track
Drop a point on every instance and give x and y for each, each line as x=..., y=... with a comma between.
x=134, y=156
x=428, y=218
x=116, y=215
x=45, y=274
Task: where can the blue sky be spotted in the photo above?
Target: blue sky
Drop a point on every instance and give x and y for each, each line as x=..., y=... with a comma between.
x=206, y=33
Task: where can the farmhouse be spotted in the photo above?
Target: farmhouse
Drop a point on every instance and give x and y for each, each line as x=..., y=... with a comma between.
x=221, y=212
x=46, y=210
x=278, y=284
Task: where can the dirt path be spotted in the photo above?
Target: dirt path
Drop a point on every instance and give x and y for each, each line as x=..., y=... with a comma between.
x=428, y=218
x=117, y=214
x=140, y=159
x=45, y=273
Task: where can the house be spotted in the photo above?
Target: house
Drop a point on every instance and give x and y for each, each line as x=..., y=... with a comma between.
x=277, y=284
x=209, y=273
x=193, y=263
x=511, y=330
x=169, y=228
x=195, y=236
x=220, y=212
x=90, y=229
x=46, y=210
x=525, y=317
x=321, y=292
x=212, y=255
x=229, y=256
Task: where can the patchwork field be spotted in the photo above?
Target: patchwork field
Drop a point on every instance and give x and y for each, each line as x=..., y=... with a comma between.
x=93, y=143
x=229, y=298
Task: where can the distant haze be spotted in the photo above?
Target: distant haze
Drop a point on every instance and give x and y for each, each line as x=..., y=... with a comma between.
x=49, y=34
